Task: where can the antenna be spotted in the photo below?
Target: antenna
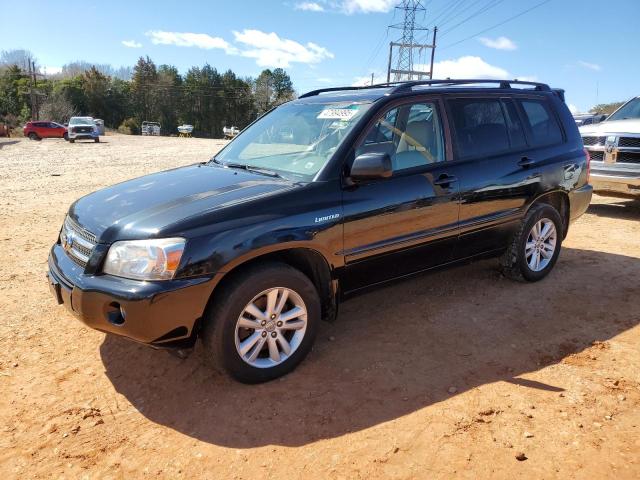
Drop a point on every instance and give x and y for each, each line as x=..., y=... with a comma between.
x=402, y=51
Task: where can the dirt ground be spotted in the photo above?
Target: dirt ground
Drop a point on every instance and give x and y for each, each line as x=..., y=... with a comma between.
x=453, y=374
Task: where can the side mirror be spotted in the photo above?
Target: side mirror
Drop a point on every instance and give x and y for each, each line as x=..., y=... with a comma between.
x=371, y=166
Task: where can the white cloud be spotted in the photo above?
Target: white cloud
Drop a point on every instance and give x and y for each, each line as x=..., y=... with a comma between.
x=590, y=66
x=309, y=6
x=324, y=80
x=270, y=50
x=50, y=70
x=348, y=7
x=187, y=39
x=365, y=6
x=131, y=44
x=467, y=67
x=500, y=43
x=378, y=77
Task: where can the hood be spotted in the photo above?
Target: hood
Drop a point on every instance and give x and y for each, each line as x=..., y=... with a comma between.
x=148, y=206
x=607, y=127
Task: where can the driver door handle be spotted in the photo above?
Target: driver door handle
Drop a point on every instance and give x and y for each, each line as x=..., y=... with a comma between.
x=445, y=179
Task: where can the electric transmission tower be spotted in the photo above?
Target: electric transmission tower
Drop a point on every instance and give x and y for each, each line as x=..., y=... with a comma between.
x=404, y=52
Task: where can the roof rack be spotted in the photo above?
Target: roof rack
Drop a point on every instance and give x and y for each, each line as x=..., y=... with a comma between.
x=399, y=87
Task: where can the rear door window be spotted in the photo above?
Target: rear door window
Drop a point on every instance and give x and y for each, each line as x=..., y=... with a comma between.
x=543, y=126
x=480, y=126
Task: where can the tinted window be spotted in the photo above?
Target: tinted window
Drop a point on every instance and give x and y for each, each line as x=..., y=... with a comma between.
x=410, y=134
x=480, y=126
x=543, y=126
x=517, y=138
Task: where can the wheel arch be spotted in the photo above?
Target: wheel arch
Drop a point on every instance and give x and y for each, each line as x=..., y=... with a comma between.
x=307, y=260
x=558, y=199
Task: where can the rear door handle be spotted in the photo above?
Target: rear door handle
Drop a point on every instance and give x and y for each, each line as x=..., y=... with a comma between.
x=526, y=162
x=445, y=179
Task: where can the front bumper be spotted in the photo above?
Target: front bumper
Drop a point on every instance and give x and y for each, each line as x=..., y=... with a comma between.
x=82, y=135
x=617, y=184
x=163, y=314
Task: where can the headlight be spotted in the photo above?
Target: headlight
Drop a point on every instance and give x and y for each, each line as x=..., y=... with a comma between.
x=155, y=259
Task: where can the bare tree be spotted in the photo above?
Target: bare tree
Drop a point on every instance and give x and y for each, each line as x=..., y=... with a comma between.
x=57, y=108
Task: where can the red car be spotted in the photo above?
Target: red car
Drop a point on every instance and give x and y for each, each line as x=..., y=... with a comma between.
x=39, y=130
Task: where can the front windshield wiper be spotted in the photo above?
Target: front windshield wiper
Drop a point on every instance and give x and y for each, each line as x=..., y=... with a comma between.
x=249, y=168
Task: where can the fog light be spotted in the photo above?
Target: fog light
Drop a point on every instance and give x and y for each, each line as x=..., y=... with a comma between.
x=117, y=315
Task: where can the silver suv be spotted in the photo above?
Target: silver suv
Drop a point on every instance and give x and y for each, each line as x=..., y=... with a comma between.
x=83, y=128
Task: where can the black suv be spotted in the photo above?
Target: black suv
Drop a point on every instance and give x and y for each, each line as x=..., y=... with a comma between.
x=337, y=191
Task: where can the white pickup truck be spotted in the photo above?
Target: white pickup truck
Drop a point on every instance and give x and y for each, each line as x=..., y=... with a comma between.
x=614, y=146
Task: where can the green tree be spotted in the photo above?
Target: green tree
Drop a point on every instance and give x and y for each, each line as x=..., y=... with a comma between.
x=606, y=108
x=95, y=86
x=143, y=90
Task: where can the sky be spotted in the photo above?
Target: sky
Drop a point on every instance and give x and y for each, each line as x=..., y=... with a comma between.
x=587, y=47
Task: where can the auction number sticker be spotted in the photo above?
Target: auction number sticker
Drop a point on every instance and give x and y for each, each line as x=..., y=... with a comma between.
x=338, y=113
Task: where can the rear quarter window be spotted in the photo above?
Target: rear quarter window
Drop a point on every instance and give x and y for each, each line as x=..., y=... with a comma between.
x=543, y=126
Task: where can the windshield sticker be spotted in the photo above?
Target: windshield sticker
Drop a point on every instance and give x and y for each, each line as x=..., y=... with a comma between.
x=339, y=113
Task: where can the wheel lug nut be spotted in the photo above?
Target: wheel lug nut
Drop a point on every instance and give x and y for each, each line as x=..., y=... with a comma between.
x=279, y=324
x=264, y=334
x=274, y=334
x=263, y=323
x=273, y=315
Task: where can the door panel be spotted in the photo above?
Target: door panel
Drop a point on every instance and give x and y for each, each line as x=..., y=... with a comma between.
x=398, y=226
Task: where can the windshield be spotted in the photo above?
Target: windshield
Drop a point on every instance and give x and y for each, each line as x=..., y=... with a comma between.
x=80, y=120
x=295, y=139
x=631, y=109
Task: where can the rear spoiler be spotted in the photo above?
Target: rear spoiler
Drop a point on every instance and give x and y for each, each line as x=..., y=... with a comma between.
x=559, y=92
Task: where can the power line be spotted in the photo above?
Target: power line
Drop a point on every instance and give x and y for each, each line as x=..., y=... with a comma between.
x=497, y=24
x=474, y=15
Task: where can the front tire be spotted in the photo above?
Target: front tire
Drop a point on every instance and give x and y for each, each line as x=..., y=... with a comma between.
x=66, y=137
x=97, y=140
x=71, y=140
x=534, y=248
x=262, y=323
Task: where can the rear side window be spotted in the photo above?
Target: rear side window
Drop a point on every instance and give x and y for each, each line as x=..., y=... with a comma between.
x=480, y=126
x=543, y=126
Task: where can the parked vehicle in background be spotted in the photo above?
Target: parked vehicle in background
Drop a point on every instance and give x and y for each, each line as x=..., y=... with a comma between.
x=614, y=146
x=100, y=125
x=185, y=130
x=367, y=185
x=82, y=128
x=150, y=128
x=230, y=132
x=588, y=118
x=37, y=130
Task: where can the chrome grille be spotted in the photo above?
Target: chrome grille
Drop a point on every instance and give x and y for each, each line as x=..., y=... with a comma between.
x=628, y=157
x=633, y=142
x=596, y=156
x=77, y=242
x=589, y=141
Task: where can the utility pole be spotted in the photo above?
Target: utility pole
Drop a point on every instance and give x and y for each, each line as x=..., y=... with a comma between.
x=372, y=78
x=401, y=52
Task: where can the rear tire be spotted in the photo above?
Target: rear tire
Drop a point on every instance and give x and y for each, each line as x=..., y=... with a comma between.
x=33, y=136
x=71, y=140
x=247, y=321
x=97, y=140
x=534, y=248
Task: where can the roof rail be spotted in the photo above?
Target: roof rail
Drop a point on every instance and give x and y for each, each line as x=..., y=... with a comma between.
x=399, y=87
x=501, y=84
x=313, y=93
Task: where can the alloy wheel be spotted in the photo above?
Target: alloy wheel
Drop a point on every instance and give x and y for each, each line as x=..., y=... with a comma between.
x=541, y=244
x=271, y=327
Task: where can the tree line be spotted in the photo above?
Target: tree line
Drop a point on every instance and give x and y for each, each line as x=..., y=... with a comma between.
x=202, y=97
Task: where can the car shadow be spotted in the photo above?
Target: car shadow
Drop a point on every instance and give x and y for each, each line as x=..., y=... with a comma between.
x=624, y=209
x=392, y=352
x=10, y=142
